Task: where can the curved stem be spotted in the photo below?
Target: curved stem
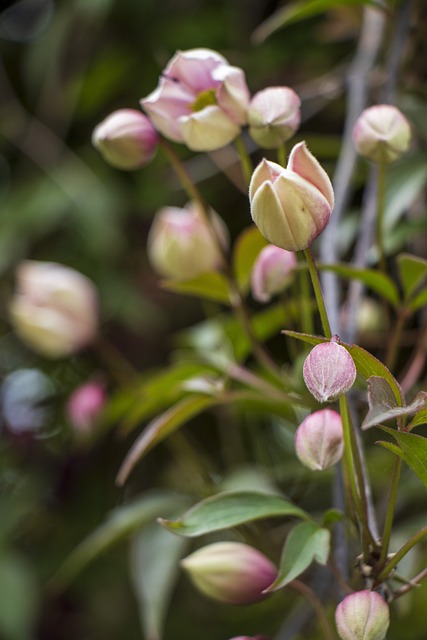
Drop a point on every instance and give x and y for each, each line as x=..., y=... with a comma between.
x=314, y=274
x=311, y=597
x=413, y=540
x=245, y=161
x=390, y=511
x=415, y=582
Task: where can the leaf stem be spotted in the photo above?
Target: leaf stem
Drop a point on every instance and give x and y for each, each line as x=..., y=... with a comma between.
x=314, y=274
x=311, y=597
x=390, y=511
x=404, y=549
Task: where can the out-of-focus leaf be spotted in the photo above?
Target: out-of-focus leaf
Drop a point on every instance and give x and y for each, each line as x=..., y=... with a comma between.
x=419, y=419
x=366, y=364
x=247, y=247
x=211, y=286
x=412, y=449
x=300, y=10
x=405, y=180
x=331, y=516
x=412, y=271
x=161, y=427
x=306, y=542
x=375, y=280
x=19, y=598
x=382, y=403
x=154, y=565
x=418, y=301
x=230, y=509
x=120, y=524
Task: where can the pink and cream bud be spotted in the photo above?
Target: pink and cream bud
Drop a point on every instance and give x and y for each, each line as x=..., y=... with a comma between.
x=382, y=134
x=271, y=272
x=291, y=206
x=85, y=405
x=55, y=308
x=230, y=572
x=319, y=440
x=126, y=139
x=273, y=116
x=363, y=615
x=329, y=371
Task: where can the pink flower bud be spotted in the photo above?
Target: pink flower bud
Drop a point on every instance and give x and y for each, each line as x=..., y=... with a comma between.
x=181, y=245
x=271, y=272
x=55, y=308
x=230, y=572
x=85, y=405
x=126, y=139
x=362, y=615
x=201, y=100
x=381, y=134
x=329, y=371
x=273, y=116
x=291, y=206
x=249, y=638
x=319, y=440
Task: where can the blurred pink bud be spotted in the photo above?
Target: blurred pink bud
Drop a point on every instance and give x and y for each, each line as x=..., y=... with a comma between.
x=182, y=246
x=230, y=572
x=126, y=139
x=291, y=206
x=273, y=116
x=329, y=371
x=85, y=405
x=249, y=638
x=319, y=440
x=201, y=100
x=363, y=615
x=382, y=134
x=55, y=308
x=271, y=272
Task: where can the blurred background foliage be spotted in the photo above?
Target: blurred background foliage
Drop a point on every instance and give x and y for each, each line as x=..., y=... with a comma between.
x=64, y=66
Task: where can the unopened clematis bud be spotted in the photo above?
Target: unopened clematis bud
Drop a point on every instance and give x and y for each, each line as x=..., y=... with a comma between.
x=249, y=638
x=230, y=572
x=85, y=405
x=126, y=139
x=363, y=615
x=55, y=308
x=182, y=246
x=273, y=116
x=201, y=100
x=382, y=134
x=291, y=206
x=271, y=272
x=319, y=440
x=329, y=371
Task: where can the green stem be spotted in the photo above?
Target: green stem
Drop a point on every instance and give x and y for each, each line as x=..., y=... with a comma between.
x=394, y=343
x=380, y=215
x=281, y=155
x=318, y=292
x=404, y=549
x=184, y=177
x=311, y=597
x=245, y=161
x=390, y=511
x=304, y=297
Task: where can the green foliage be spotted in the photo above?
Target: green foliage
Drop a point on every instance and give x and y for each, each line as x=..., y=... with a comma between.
x=411, y=448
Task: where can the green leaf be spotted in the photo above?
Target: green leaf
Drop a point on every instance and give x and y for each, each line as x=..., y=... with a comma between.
x=382, y=404
x=419, y=301
x=19, y=597
x=366, y=364
x=247, y=247
x=412, y=271
x=161, y=427
x=230, y=509
x=120, y=524
x=305, y=543
x=405, y=181
x=419, y=419
x=331, y=516
x=412, y=449
x=210, y=286
x=374, y=280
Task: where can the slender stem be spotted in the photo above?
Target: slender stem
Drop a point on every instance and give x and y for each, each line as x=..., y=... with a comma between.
x=393, y=346
x=184, y=177
x=380, y=215
x=390, y=511
x=304, y=297
x=281, y=155
x=311, y=597
x=245, y=161
x=318, y=292
x=413, y=540
x=118, y=366
x=415, y=582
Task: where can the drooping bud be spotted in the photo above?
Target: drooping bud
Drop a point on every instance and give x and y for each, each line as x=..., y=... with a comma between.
x=291, y=206
x=55, y=308
x=329, y=371
x=85, y=405
x=319, y=440
x=273, y=116
x=249, y=638
x=181, y=245
x=382, y=134
x=363, y=615
x=126, y=139
x=230, y=572
x=271, y=272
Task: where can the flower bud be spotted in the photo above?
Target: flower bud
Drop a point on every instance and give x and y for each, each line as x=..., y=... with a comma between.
x=382, y=134
x=126, y=139
x=329, y=371
x=249, y=638
x=319, y=440
x=273, y=116
x=230, y=572
x=85, y=405
x=363, y=615
x=271, y=272
x=55, y=309
x=291, y=206
x=181, y=245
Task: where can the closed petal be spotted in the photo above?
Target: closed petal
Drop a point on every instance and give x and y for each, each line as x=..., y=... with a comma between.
x=232, y=94
x=268, y=215
x=302, y=162
x=194, y=69
x=165, y=105
x=266, y=170
x=208, y=129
